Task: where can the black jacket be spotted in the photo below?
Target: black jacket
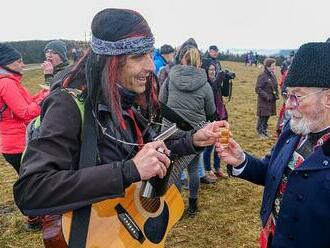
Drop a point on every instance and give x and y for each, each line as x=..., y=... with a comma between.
x=50, y=181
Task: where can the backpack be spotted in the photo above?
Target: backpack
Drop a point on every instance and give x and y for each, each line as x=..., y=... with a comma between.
x=33, y=129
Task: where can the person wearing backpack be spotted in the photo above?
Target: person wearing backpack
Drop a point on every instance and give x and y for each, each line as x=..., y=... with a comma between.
x=17, y=106
x=115, y=79
x=17, y=109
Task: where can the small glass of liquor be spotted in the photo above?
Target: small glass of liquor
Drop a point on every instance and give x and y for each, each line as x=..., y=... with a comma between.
x=224, y=136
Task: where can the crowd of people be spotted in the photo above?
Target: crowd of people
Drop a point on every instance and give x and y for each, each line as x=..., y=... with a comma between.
x=251, y=58
x=123, y=82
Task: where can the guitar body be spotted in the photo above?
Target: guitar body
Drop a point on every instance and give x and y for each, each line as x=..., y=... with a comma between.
x=131, y=221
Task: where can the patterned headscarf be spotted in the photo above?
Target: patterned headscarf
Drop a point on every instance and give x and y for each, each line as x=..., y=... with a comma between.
x=110, y=31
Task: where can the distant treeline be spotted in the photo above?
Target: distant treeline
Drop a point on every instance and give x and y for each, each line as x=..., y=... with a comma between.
x=33, y=50
x=241, y=58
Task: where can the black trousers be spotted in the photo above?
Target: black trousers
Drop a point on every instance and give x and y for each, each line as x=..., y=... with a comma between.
x=14, y=160
x=262, y=124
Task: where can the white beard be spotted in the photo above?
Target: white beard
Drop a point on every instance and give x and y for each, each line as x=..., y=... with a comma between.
x=300, y=127
x=304, y=126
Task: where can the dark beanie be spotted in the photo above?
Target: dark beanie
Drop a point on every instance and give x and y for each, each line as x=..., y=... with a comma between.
x=117, y=24
x=166, y=49
x=8, y=54
x=214, y=47
x=310, y=66
x=59, y=47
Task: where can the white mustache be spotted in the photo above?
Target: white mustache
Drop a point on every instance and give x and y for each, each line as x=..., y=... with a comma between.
x=293, y=113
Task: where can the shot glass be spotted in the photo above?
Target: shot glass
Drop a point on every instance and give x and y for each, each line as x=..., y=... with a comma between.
x=224, y=136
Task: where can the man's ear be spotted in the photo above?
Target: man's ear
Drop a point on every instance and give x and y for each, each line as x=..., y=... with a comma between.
x=327, y=100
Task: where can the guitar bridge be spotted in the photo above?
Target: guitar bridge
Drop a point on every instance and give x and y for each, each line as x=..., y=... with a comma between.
x=129, y=224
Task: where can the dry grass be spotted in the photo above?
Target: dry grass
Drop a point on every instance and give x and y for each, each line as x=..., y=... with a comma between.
x=229, y=210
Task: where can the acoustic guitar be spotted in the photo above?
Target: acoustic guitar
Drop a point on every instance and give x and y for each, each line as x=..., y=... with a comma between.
x=131, y=221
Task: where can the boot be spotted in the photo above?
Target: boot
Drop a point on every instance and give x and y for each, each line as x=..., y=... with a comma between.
x=192, y=209
x=32, y=223
x=206, y=180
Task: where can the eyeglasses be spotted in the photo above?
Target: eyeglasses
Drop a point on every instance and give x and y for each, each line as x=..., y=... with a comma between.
x=295, y=100
x=49, y=51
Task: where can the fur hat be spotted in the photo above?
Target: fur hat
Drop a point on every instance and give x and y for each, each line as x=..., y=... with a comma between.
x=269, y=61
x=59, y=47
x=8, y=54
x=310, y=66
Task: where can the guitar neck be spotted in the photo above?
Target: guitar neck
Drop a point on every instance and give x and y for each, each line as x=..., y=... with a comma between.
x=178, y=166
x=180, y=163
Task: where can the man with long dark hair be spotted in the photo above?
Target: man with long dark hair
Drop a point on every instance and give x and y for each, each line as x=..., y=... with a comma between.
x=114, y=76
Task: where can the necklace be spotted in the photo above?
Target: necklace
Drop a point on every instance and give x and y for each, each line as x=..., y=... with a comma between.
x=104, y=131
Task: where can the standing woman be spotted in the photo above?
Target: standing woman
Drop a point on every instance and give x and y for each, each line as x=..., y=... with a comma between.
x=214, y=77
x=17, y=106
x=267, y=91
x=189, y=94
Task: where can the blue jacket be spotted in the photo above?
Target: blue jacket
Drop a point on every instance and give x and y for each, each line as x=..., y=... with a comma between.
x=304, y=217
x=159, y=61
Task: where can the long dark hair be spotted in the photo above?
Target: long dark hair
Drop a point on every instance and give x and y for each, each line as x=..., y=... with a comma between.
x=101, y=72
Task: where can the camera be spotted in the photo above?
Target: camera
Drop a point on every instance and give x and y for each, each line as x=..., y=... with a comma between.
x=228, y=75
x=226, y=87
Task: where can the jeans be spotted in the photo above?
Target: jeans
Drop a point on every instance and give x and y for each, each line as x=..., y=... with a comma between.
x=194, y=181
x=201, y=169
x=207, y=158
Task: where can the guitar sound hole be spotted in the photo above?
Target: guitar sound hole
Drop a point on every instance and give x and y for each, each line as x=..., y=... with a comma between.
x=150, y=204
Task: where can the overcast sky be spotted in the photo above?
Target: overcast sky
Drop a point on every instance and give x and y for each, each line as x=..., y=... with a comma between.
x=227, y=23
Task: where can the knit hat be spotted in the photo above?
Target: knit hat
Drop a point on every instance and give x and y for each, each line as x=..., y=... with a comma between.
x=59, y=47
x=8, y=54
x=214, y=47
x=166, y=49
x=310, y=66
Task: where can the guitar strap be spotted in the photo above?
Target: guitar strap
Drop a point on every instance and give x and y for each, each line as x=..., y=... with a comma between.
x=88, y=156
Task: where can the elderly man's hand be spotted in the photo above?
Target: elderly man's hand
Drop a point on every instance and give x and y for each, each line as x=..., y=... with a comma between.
x=232, y=154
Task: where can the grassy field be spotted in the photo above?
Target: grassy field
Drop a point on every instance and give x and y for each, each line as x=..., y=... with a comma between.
x=229, y=210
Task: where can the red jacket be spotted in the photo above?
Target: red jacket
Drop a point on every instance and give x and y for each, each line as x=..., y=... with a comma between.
x=21, y=109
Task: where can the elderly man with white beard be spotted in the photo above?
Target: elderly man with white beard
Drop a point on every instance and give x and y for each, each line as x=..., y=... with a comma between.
x=295, y=209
